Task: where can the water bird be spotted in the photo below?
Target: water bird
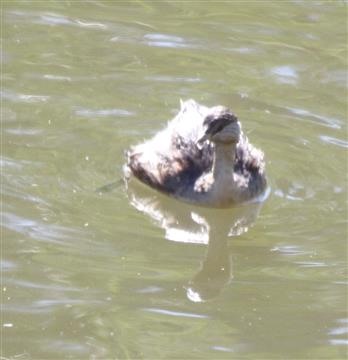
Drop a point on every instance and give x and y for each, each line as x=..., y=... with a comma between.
x=201, y=157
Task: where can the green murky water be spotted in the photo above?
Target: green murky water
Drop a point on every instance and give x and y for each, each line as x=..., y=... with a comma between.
x=128, y=273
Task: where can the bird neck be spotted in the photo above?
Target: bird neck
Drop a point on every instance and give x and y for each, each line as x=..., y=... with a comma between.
x=224, y=159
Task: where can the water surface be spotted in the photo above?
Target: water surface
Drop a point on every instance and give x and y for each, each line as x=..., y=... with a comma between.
x=130, y=273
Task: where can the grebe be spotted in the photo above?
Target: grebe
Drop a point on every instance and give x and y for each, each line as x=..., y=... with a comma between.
x=202, y=157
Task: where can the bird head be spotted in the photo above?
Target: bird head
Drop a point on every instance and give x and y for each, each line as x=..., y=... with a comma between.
x=220, y=126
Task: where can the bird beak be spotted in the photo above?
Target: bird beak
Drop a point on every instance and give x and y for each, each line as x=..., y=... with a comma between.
x=202, y=139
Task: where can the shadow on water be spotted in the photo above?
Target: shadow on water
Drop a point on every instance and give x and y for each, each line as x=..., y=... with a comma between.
x=187, y=223
x=109, y=187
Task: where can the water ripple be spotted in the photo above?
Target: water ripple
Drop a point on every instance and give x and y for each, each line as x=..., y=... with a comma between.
x=39, y=230
x=311, y=264
x=334, y=141
x=47, y=305
x=323, y=120
x=7, y=265
x=339, y=332
x=175, y=313
x=9, y=163
x=103, y=112
x=285, y=74
x=16, y=164
x=174, y=79
x=26, y=98
x=57, y=77
x=90, y=24
x=36, y=285
x=66, y=346
x=290, y=250
x=168, y=41
x=242, y=50
x=21, y=131
x=54, y=19
x=294, y=191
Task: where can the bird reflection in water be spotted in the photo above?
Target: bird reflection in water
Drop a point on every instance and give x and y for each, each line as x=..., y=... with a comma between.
x=192, y=224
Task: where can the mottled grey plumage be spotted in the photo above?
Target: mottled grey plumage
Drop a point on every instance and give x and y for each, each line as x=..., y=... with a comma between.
x=202, y=157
